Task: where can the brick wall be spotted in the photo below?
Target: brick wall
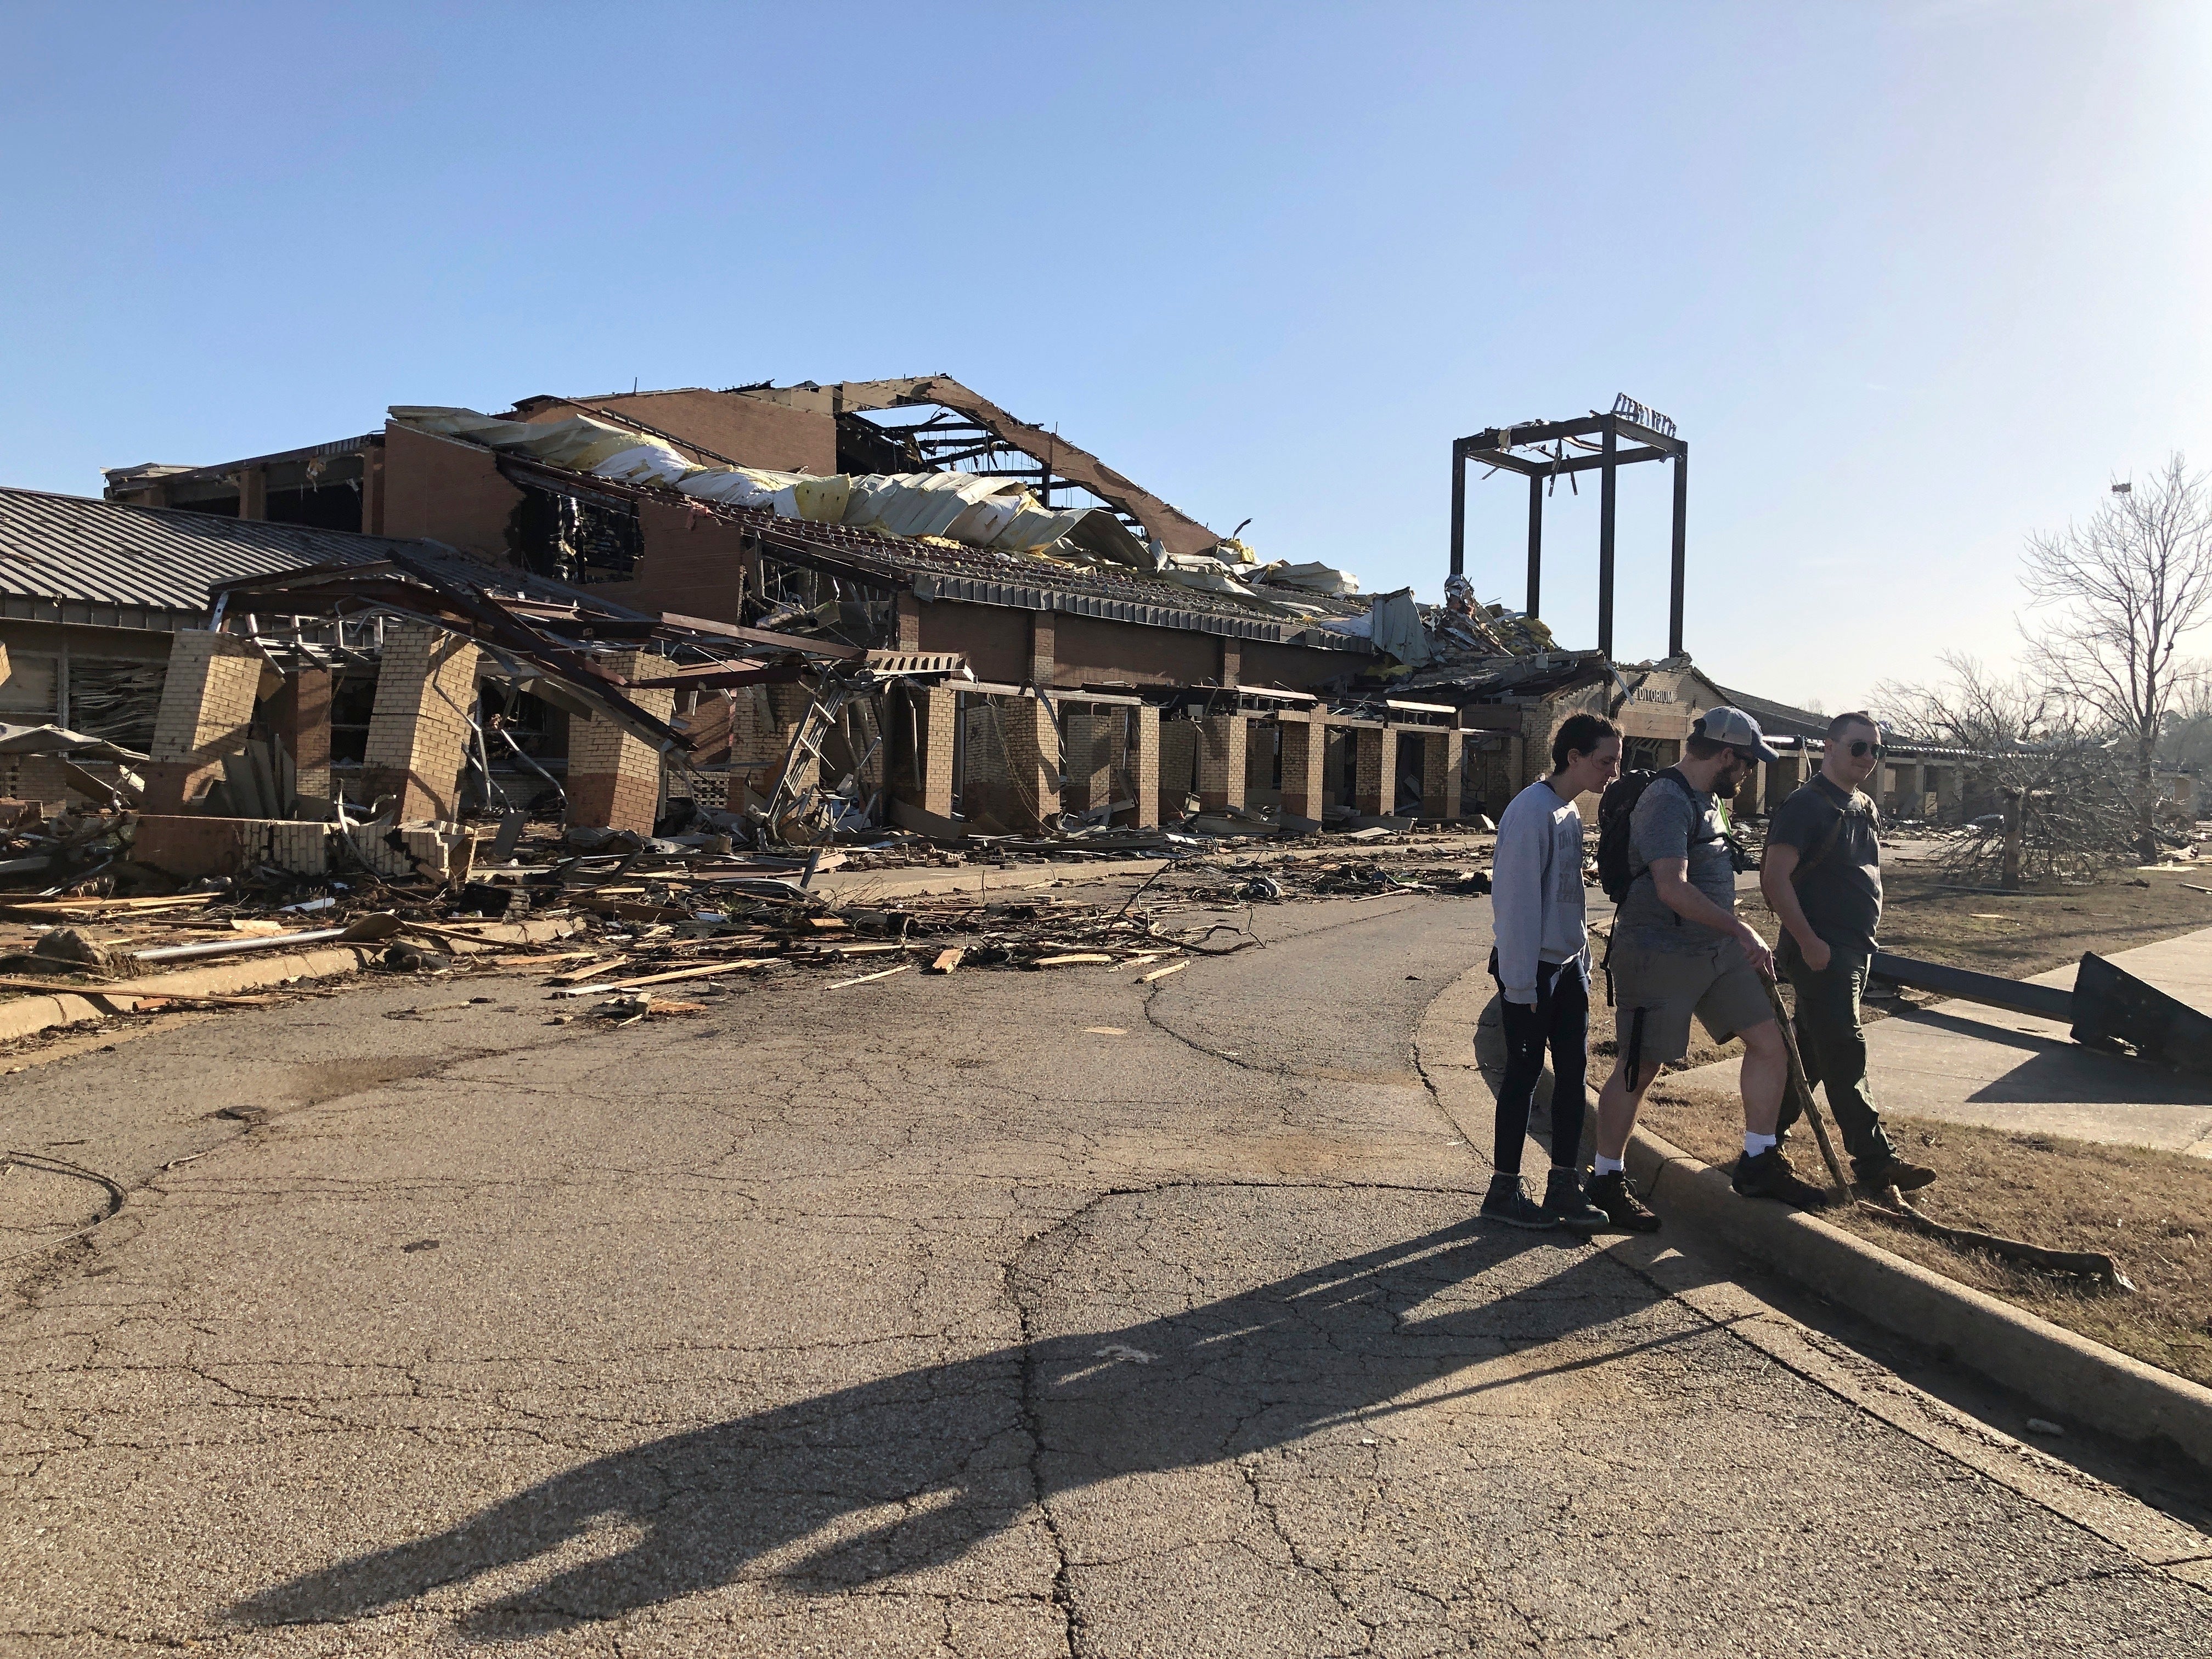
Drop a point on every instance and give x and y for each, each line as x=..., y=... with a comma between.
x=614, y=779
x=1178, y=763
x=1221, y=761
x=1304, y=749
x=418, y=727
x=190, y=845
x=1370, y=777
x=1443, y=767
x=1032, y=750
x=207, y=705
x=1093, y=739
x=1145, y=767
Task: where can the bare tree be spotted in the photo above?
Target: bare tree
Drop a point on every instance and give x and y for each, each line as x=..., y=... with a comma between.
x=2061, y=784
x=2123, y=591
x=1973, y=710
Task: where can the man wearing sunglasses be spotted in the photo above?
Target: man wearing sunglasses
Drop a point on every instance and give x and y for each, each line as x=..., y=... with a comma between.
x=1822, y=877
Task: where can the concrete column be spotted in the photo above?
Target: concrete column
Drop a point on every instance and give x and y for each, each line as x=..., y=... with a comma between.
x=1144, y=767
x=206, y=707
x=1032, y=762
x=1087, y=757
x=1221, y=761
x=1040, y=648
x=419, y=728
x=253, y=493
x=302, y=718
x=1305, y=745
x=614, y=779
x=1178, y=763
x=1444, y=762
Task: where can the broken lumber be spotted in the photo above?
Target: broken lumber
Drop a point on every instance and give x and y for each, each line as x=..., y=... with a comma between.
x=947, y=960
x=1162, y=972
x=1076, y=960
x=864, y=978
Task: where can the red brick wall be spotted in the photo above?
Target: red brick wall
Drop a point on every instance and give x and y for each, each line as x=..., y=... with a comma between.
x=693, y=566
x=449, y=491
x=996, y=640
x=751, y=432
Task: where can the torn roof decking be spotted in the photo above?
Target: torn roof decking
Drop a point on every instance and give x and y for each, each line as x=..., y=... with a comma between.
x=1176, y=530
x=933, y=570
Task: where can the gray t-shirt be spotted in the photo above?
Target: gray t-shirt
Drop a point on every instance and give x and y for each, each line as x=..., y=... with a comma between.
x=1841, y=893
x=1673, y=821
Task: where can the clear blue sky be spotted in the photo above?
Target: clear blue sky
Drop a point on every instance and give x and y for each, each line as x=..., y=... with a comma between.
x=1913, y=280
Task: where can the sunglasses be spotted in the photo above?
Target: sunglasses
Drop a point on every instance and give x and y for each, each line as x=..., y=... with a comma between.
x=1860, y=748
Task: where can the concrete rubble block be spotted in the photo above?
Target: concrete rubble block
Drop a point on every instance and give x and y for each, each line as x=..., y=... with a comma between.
x=191, y=845
x=614, y=778
x=205, y=712
x=420, y=727
x=430, y=851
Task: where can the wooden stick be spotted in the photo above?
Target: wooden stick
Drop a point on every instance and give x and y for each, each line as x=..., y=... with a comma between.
x=1804, y=1090
x=864, y=978
x=1162, y=972
x=2089, y=1264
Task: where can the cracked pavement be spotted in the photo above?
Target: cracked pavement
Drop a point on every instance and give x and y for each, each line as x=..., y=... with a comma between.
x=921, y=1318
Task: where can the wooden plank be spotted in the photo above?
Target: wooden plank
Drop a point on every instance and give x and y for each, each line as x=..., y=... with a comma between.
x=864, y=978
x=1079, y=959
x=596, y=985
x=1162, y=972
x=947, y=960
x=569, y=976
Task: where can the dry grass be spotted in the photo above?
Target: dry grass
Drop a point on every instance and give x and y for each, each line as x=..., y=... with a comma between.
x=2151, y=1212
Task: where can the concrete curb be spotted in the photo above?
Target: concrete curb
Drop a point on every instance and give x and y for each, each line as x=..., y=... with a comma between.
x=2071, y=1377
x=28, y=1016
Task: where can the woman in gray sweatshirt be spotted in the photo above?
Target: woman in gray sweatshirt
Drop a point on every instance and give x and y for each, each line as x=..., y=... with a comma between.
x=1542, y=965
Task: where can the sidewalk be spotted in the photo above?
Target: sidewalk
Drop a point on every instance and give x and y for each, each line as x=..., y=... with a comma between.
x=1960, y=1062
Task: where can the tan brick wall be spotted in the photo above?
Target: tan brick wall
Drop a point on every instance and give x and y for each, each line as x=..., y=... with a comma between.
x=614, y=779
x=1370, y=779
x=206, y=707
x=1093, y=738
x=1178, y=773
x=1032, y=760
x=418, y=727
x=1304, y=746
x=1221, y=761
x=1442, y=772
x=1145, y=767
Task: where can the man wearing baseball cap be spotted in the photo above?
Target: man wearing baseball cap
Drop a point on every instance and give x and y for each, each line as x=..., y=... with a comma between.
x=1679, y=949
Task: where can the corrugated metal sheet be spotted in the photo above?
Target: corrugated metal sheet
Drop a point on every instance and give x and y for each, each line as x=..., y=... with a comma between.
x=72, y=551
x=70, y=558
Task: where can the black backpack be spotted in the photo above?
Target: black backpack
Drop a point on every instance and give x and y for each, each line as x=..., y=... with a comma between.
x=1613, y=808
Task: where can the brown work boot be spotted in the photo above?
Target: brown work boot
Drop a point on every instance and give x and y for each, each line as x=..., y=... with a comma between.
x=1769, y=1175
x=1624, y=1211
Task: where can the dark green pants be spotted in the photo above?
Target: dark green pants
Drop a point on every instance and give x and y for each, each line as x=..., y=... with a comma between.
x=1834, y=1050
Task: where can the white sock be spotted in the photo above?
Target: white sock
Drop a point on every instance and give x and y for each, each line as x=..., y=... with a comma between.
x=1609, y=1166
x=1754, y=1145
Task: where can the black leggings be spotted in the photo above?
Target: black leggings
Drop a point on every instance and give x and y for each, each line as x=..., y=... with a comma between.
x=1560, y=1019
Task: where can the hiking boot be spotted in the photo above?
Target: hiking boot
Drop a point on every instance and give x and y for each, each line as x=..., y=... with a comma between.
x=1624, y=1211
x=1564, y=1203
x=1505, y=1202
x=1769, y=1175
x=1889, y=1169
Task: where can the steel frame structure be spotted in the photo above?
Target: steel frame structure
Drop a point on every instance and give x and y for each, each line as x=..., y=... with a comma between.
x=1495, y=447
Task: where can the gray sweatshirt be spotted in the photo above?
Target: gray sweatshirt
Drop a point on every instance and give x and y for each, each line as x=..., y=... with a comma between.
x=1536, y=888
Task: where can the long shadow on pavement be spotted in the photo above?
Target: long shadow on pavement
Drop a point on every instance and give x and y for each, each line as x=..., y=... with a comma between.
x=960, y=1452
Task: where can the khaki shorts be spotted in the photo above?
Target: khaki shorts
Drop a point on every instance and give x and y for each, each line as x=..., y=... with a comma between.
x=1661, y=989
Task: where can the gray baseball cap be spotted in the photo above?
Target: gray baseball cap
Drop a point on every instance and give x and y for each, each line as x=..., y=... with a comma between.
x=1736, y=729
